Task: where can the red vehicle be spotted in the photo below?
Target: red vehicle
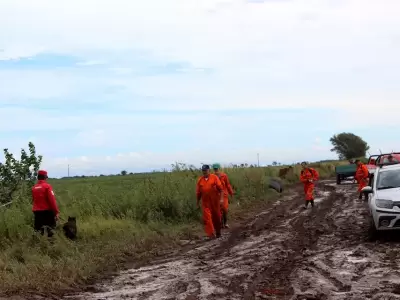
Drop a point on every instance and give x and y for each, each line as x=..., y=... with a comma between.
x=375, y=160
x=371, y=165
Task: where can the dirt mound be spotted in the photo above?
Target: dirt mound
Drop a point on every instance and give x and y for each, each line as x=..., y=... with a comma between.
x=284, y=252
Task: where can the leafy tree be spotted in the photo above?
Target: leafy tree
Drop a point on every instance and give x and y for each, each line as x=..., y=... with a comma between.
x=16, y=174
x=123, y=173
x=348, y=145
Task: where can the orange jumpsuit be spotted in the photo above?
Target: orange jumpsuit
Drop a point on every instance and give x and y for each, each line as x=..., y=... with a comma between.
x=361, y=176
x=209, y=190
x=305, y=176
x=227, y=191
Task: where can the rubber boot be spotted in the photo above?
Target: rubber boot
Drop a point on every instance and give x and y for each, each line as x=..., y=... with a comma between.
x=305, y=205
x=224, y=220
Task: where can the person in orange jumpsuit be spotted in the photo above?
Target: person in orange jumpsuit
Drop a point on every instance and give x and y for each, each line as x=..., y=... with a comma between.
x=307, y=177
x=361, y=176
x=227, y=191
x=44, y=207
x=210, y=191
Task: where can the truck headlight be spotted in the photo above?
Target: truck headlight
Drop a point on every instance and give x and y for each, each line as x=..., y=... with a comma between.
x=381, y=203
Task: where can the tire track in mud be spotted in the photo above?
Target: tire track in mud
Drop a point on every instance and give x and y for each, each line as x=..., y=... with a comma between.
x=251, y=262
x=344, y=265
x=283, y=252
x=305, y=229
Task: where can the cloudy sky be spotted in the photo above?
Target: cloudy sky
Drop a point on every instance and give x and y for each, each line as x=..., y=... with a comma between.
x=126, y=84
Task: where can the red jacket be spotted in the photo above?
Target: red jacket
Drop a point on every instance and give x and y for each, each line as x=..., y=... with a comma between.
x=43, y=197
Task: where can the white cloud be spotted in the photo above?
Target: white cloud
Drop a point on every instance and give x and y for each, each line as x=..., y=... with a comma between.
x=232, y=36
x=90, y=63
x=94, y=138
x=261, y=52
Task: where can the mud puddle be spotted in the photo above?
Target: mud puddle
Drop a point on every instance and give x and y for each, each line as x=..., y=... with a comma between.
x=345, y=265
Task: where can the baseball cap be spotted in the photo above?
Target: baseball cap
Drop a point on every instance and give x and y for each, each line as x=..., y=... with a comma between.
x=205, y=167
x=42, y=173
x=216, y=166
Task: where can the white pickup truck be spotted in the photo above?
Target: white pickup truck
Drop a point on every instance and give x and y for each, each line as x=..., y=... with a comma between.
x=384, y=198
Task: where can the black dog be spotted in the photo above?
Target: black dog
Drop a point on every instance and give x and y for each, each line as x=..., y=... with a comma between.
x=70, y=229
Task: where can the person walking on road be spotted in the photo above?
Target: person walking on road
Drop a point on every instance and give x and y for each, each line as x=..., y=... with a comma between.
x=308, y=176
x=361, y=176
x=227, y=191
x=210, y=191
x=45, y=207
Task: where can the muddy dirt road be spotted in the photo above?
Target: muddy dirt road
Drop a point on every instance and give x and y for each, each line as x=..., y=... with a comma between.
x=285, y=252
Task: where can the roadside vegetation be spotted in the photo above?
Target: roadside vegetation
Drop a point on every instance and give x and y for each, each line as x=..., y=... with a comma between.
x=134, y=216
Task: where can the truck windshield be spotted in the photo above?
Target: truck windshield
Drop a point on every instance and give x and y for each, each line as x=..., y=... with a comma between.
x=388, y=180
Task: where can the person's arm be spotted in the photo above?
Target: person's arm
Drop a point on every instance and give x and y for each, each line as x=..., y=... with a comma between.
x=220, y=189
x=52, y=200
x=315, y=174
x=228, y=185
x=366, y=173
x=303, y=178
x=33, y=197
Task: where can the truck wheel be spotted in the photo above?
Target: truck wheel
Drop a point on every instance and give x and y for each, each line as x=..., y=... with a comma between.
x=370, y=179
x=276, y=185
x=373, y=234
x=338, y=179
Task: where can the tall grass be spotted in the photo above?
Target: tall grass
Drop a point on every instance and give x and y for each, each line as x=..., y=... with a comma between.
x=117, y=216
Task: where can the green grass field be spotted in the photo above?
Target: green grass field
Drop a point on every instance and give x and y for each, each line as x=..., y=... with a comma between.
x=118, y=216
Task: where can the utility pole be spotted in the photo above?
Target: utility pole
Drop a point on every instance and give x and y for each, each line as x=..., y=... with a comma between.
x=68, y=170
x=258, y=159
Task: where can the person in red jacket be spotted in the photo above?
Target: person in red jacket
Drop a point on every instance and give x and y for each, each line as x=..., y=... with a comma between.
x=307, y=177
x=45, y=207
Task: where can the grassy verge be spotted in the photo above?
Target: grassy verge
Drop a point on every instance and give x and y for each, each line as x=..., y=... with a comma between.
x=117, y=217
